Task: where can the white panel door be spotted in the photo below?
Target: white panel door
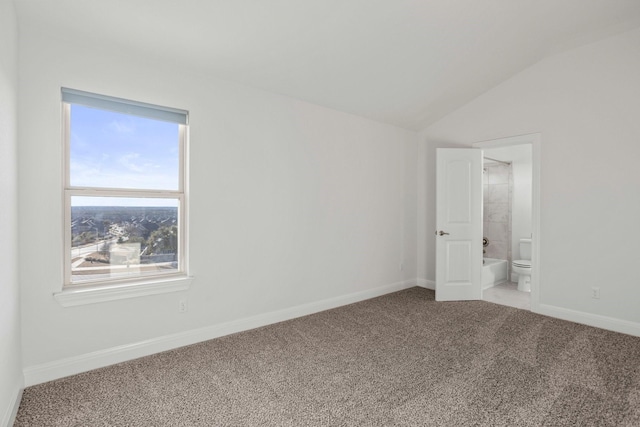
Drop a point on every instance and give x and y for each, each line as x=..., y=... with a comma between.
x=459, y=224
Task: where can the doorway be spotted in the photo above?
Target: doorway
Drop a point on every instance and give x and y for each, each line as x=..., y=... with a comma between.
x=459, y=220
x=508, y=231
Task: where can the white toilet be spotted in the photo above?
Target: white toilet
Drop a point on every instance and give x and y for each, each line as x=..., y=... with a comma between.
x=523, y=266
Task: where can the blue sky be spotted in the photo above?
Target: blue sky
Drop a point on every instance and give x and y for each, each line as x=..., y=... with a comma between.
x=110, y=149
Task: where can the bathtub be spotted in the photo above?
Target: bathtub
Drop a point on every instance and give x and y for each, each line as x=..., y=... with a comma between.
x=494, y=272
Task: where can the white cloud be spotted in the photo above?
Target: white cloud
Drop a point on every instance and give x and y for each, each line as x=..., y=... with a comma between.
x=128, y=161
x=81, y=172
x=77, y=141
x=132, y=173
x=122, y=127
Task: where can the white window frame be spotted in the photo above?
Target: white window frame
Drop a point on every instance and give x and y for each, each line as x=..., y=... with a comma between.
x=92, y=291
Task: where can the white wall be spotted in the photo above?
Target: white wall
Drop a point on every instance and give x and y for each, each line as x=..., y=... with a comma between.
x=290, y=203
x=10, y=359
x=585, y=102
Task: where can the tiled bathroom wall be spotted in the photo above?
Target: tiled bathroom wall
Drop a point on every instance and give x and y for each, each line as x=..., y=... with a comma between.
x=498, y=193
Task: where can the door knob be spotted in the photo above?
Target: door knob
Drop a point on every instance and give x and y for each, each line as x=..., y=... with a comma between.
x=442, y=233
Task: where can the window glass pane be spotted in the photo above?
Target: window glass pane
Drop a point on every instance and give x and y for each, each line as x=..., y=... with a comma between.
x=123, y=237
x=115, y=150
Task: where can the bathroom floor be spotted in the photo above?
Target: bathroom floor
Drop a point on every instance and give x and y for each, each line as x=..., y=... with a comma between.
x=507, y=293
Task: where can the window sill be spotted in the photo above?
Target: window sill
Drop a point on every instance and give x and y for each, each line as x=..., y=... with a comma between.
x=92, y=295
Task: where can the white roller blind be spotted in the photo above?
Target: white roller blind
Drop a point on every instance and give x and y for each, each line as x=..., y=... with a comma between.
x=166, y=114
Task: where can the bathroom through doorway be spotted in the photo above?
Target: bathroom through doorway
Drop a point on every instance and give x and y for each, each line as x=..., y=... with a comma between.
x=511, y=174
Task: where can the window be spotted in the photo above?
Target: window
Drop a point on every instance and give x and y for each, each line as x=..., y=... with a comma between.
x=124, y=190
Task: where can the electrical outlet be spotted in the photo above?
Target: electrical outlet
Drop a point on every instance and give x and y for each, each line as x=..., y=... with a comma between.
x=595, y=292
x=182, y=306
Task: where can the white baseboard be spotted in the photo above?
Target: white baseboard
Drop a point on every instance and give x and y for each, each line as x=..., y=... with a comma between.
x=85, y=362
x=11, y=411
x=428, y=284
x=596, y=320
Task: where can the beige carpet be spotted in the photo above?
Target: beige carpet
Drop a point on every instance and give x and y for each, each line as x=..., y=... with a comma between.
x=398, y=360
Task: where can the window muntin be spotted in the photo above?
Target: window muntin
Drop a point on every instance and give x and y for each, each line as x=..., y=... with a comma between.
x=124, y=191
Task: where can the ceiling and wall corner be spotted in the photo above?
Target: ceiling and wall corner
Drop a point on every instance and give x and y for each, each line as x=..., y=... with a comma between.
x=405, y=62
x=11, y=379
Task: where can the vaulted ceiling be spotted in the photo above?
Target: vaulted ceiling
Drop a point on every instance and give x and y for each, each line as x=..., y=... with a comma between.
x=403, y=62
